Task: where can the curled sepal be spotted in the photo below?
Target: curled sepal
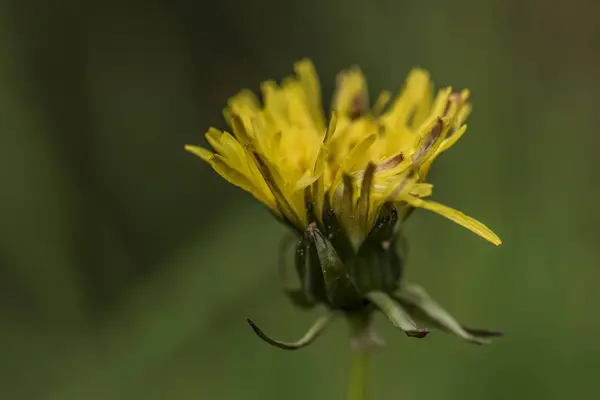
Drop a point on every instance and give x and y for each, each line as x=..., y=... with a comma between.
x=396, y=314
x=422, y=307
x=313, y=332
x=483, y=333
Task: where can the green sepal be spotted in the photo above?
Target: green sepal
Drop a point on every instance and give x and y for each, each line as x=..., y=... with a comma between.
x=483, y=333
x=340, y=290
x=422, y=307
x=296, y=295
x=385, y=225
x=313, y=332
x=335, y=233
x=309, y=271
x=396, y=314
x=378, y=266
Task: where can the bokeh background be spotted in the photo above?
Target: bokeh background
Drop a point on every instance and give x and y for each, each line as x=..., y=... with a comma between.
x=128, y=267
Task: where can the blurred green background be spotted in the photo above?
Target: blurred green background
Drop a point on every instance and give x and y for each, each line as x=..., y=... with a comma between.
x=128, y=267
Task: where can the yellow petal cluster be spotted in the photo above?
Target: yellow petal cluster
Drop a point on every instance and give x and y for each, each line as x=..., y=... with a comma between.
x=288, y=155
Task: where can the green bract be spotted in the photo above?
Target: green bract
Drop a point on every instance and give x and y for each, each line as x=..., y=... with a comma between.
x=332, y=273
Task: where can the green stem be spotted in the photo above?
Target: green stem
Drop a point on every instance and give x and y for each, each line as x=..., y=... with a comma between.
x=360, y=359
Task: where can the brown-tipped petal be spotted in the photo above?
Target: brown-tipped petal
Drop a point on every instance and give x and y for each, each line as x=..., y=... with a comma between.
x=396, y=314
x=348, y=195
x=390, y=163
x=352, y=161
x=364, y=201
x=397, y=192
x=428, y=142
x=275, y=185
x=313, y=332
x=453, y=100
x=422, y=306
x=351, y=97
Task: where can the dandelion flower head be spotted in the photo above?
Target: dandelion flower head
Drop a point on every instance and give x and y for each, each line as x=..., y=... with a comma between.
x=301, y=164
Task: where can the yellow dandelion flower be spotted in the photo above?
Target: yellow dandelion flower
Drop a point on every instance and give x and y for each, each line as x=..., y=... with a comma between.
x=345, y=186
x=290, y=158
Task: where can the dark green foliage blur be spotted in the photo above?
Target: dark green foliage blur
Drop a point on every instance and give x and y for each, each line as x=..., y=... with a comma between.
x=128, y=267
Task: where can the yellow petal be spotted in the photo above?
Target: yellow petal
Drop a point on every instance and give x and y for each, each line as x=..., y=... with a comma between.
x=275, y=104
x=232, y=174
x=452, y=139
x=463, y=114
x=413, y=105
x=445, y=145
x=357, y=156
x=421, y=190
x=276, y=185
x=213, y=136
x=310, y=83
x=441, y=102
x=244, y=106
x=429, y=140
x=399, y=188
x=226, y=145
x=296, y=103
x=382, y=101
x=456, y=216
x=245, y=100
x=306, y=180
x=239, y=129
x=201, y=152
x=394, y=165
x=331, y=128
x=318, y=188
x=351, y=98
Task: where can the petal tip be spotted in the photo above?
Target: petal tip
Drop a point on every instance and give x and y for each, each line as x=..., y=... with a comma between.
x=417, y=333
x=203, y=153
x=252, y=324
x=495, y=240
